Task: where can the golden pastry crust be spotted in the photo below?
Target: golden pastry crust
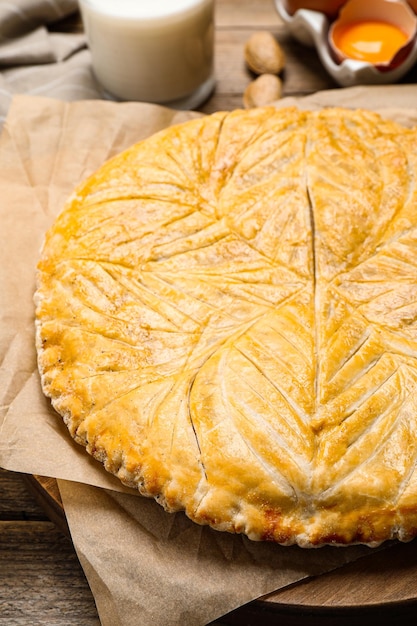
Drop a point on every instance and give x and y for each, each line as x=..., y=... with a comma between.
x=226, y=318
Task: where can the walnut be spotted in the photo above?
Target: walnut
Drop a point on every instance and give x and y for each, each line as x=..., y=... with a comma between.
x=262, y=91
x=263, y=54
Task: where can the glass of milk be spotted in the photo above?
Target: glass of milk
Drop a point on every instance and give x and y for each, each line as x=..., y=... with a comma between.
x=157, y=51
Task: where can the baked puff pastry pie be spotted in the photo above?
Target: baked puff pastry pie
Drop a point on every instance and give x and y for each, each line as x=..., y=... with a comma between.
x=227, y=319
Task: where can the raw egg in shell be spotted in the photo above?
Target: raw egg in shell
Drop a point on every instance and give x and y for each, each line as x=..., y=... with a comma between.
x=379, y=32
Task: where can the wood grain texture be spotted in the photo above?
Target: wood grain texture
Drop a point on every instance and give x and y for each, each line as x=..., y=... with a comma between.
x=41, y=580
x=385, y=581
x=46, y=492
x=385, y=578
x=246, y=13
x=14, y=501
x=303, y=72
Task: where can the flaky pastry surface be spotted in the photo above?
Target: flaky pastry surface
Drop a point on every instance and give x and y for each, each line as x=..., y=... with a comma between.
x=226, y=318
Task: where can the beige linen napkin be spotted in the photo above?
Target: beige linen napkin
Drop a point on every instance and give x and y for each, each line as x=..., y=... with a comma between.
x=36, y=60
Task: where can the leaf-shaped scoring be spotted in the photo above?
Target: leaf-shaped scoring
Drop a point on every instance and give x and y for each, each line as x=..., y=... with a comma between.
x=231, y=325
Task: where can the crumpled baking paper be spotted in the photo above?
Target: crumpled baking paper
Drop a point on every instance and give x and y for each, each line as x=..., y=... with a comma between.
x=144, y=566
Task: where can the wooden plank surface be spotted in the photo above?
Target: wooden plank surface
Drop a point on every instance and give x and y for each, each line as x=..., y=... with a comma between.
x=235, y=22
x=41, y=580
x=380, y=579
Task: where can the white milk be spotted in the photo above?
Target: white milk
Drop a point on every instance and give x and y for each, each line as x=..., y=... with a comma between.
x=152, y=50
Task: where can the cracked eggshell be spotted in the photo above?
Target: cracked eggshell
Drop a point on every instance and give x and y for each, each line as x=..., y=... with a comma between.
x=328, y=7
x=311, y=28
x=396, y=13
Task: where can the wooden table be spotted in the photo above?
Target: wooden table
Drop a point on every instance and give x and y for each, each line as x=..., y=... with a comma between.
x=41, y=580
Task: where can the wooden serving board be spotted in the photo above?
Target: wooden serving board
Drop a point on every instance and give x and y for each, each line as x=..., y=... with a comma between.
x=380, y=586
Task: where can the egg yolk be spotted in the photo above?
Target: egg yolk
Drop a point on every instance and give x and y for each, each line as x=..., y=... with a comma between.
x=372, y=41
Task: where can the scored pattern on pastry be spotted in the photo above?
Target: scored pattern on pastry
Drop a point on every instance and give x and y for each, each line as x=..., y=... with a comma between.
x=227, y=319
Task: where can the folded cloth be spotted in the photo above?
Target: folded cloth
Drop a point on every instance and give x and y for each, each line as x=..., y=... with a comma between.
x=21, y=16
x=39, y=46
x=36, y=60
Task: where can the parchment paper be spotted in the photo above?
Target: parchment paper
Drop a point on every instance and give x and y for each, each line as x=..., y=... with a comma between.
x=144, y=566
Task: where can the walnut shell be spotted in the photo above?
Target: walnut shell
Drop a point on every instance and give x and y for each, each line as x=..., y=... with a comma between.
x=262, y=91
x=263, y=54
